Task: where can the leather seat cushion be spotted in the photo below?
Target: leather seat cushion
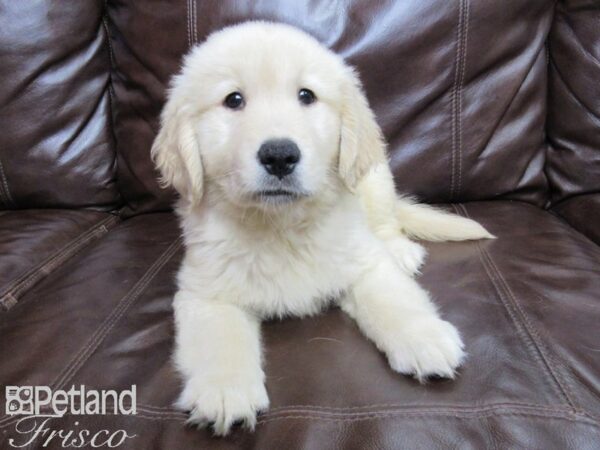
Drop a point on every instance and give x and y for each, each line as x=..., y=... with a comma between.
x=33, y=243
x=526, y=304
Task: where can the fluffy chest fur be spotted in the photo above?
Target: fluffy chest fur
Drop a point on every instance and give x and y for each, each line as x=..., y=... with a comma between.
x=275, y=270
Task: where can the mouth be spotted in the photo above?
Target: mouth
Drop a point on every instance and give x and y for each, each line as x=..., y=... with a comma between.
x=279, y=195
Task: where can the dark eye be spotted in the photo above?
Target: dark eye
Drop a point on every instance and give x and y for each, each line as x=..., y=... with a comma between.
x=235, y=100
x=306, y=96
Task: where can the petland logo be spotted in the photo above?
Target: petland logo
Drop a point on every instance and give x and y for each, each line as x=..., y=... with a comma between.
x=39, y=404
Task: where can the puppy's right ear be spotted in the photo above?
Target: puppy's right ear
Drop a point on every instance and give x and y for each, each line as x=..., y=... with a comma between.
x=362, y=146
x=176, y=153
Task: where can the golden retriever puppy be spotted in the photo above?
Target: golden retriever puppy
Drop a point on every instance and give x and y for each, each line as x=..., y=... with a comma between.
x=287, y=201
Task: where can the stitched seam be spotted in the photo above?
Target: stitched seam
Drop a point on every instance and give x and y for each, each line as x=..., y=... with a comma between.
x=115, y=315
x=266, y=416
x=453, y=100
x=456, y=98
x=502, y=295
x=545, y=359
x=382, y=408
x=473, y=413
x=50, y=260
x=188, y=17
x=8, y=302
x=460, y=95
x=450, y=414
x=342, y=409
x=547, y=356
x=194, y=21
x=478, y=412
x=408, y=411
x=521, y=332
x=10, y=299
x=4, y=191
x=54, y=261
x=411, y=406
x=102, y=331
x=529, y=415
x=529, y=329
x=529, y=345
x=384, y=416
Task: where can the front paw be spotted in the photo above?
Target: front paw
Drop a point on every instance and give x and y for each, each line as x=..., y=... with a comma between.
x=222, y=403
x=425, y=348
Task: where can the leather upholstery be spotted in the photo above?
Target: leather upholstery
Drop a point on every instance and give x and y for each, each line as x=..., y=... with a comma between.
x=448, y=93
x=34, y=242
x=583, y=213
x=574, y=93
x=530, y=381
x=56, y=144
x=496, y=105
x=573, y=165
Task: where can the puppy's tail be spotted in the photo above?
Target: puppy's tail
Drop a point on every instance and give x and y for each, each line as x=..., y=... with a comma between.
x=431, y=224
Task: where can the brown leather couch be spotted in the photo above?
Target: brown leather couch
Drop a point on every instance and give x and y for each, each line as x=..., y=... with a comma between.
x=490, y=107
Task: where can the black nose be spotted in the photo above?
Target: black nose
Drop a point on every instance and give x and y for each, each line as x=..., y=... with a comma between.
x=279, y=156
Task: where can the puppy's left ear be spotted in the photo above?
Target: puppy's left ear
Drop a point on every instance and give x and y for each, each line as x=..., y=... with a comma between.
x=361, y=141
x=176, y=154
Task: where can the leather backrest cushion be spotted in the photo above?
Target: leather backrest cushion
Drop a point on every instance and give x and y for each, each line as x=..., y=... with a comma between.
x=458, y=87
x=56, y=146
x=574, y=100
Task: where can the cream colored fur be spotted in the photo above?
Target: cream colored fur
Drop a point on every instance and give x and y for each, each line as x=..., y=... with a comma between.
x=250, y=257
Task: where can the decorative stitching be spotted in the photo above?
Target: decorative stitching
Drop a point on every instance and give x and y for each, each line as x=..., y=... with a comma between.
x=460, y=96
x=188, y=17
x=8, y=301
x=4, y=191
x=453, y=99
x=50, y=261
x=581, y=421
x=456, y=98
x=366, y=408
x=102, y=331
x=10, y=296
x=470, y=413
x=195, y=20
x=530, y=328
x=532, y=335
x=547, y=356
x=449, y=415
x=525, y=337
x=406, y=410
x=520, y=332
x=409, y=405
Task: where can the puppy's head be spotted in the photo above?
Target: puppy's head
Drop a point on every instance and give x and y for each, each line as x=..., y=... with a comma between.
x=263, y=115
